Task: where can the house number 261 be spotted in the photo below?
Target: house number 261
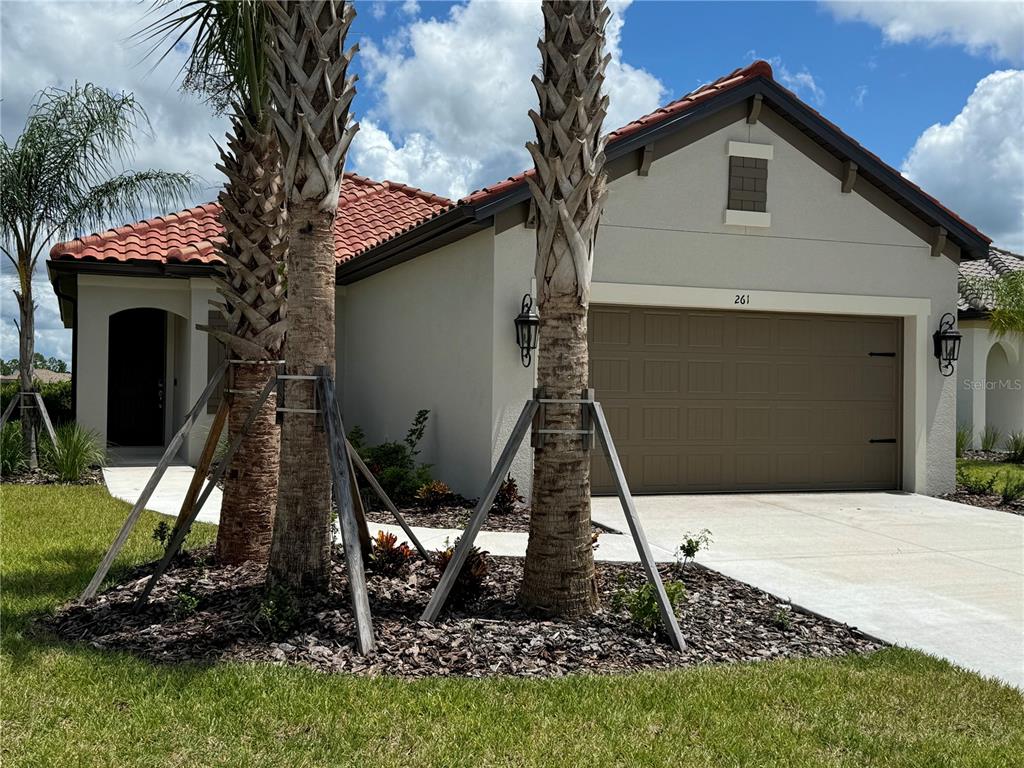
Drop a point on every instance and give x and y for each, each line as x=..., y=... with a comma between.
x=742, y=298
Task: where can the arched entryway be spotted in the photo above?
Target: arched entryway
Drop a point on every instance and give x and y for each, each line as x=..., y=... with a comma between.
x=1002, y=393
x=138, y=396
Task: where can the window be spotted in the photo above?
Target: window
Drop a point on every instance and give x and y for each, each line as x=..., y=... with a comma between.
x=748, y=184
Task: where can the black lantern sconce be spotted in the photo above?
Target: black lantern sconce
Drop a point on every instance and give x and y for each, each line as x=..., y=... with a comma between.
x=527, y=322
x=947, y=344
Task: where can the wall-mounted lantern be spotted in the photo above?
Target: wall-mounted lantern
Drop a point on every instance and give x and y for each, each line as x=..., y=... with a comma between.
x=527, y=322
x=947, y=344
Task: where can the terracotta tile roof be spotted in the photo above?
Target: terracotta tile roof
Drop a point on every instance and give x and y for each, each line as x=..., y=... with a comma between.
x=372, y=211
x=997, y=264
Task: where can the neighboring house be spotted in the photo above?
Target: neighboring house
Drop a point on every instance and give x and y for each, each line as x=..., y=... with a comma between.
x=991, y=370
x=42, y=375
x=764, y=298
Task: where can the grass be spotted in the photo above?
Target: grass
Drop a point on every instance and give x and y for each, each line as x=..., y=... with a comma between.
x=65, y=705
x=985, y=469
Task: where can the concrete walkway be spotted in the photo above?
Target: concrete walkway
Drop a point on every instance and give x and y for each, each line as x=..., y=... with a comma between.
x=942, y=577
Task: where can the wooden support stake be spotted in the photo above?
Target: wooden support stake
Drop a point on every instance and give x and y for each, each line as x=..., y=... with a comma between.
x=172, y=447
x=46, y=418
x=182, y=530
x=366, y=473
x=342, y=485
x=668, y=616
x=203, y=465
x=10, y=409
x=357, y=508
x=483, y=507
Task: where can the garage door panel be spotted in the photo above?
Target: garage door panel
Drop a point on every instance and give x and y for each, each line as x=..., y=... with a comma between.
x=717, y=401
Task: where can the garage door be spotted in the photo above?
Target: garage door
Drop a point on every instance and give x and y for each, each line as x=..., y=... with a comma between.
x=742, y=401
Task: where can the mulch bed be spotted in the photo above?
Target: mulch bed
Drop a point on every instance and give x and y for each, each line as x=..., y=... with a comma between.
x=42, y=477
x=458, y=517
x=206, y=614
x=986, y=501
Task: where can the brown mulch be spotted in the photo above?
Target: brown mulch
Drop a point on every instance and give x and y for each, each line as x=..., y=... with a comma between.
x=42, y=477
x=458, y=517
x=986, y=501
x=206, y=614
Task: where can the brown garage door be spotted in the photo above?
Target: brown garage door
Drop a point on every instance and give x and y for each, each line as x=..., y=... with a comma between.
x=741, y=401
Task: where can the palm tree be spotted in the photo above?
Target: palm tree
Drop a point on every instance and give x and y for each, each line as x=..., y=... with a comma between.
x=1007, y=314
x=311, y=94
x=227, y=63
x=61, y=177
x=569, y=190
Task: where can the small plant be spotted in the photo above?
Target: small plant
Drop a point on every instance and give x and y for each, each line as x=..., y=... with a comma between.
x=642, y=603
x=187, y=600
x=12, y=452
x=435, y=494
x=278, y=613
x=507, y=498
x=393, y=463
x=1015, y=447
x=990, y=437
x=389, y=558
x=963, y=440
x=692, y=544
x=415, y=433
x=975, y=484
x=162, y=533
x=76, y=451
x=1013, y=488
x=471, y=580
x=782, y=618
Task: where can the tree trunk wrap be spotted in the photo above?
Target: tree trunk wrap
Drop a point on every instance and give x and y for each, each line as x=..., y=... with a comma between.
x=250, y=485
x=559, y=574
x=300, y=555
x=26, y=370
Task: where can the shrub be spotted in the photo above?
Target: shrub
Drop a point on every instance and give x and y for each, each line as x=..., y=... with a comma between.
x=162, y=534
x=471, y=580
x=782, y=617
x=435, y=494
x=278, y=613
x=990, y=437
x=12, y=452
x=394, y=463
x=507, y=498
x=1013, y=488
x=188, y=601
x=642, y=603
x=963, y=440
x=1015, y=447
x=56, y=397
x=388, y=557
x=77, y=450
x=975, y=484
x=692, y=544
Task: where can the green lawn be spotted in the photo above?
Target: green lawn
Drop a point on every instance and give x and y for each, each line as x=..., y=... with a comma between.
x=68, y=706
x=985, y=469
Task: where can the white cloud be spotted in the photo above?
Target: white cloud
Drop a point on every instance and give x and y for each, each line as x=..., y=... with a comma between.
x=379, y=9
x=801, y=82
x=56, y=43
x=975, y=163
x=992, y=28
x=859, y=94
x=410, y=7
x=454, y=95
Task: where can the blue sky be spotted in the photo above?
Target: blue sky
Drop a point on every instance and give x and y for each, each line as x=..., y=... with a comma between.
x=934, y=88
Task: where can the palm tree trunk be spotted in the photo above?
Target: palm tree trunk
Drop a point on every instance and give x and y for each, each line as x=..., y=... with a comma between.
x=311, y=94
x=26, y=366
x=252, y=203
x=569, y=190
x=301, y=553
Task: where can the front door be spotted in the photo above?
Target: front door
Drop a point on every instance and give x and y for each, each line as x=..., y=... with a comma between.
x=136, y=377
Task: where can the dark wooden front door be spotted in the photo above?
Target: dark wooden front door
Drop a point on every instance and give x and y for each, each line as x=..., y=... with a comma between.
x=136, y=377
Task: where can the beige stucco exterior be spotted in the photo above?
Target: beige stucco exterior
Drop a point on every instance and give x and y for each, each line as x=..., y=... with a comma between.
x=990, y=381
x=436, y=331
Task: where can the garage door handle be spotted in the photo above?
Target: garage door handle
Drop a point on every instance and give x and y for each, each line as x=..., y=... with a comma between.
x=882, y=440
x=881, y=354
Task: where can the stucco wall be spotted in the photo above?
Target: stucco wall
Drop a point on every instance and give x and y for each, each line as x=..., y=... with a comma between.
x=667, y=229
x=419, y=336
x=990, y=385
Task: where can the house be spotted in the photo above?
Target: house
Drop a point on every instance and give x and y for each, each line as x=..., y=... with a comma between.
x=764, y=299
x=991, y=370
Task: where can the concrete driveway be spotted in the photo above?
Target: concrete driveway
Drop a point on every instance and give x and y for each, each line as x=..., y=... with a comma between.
x=942, y=577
